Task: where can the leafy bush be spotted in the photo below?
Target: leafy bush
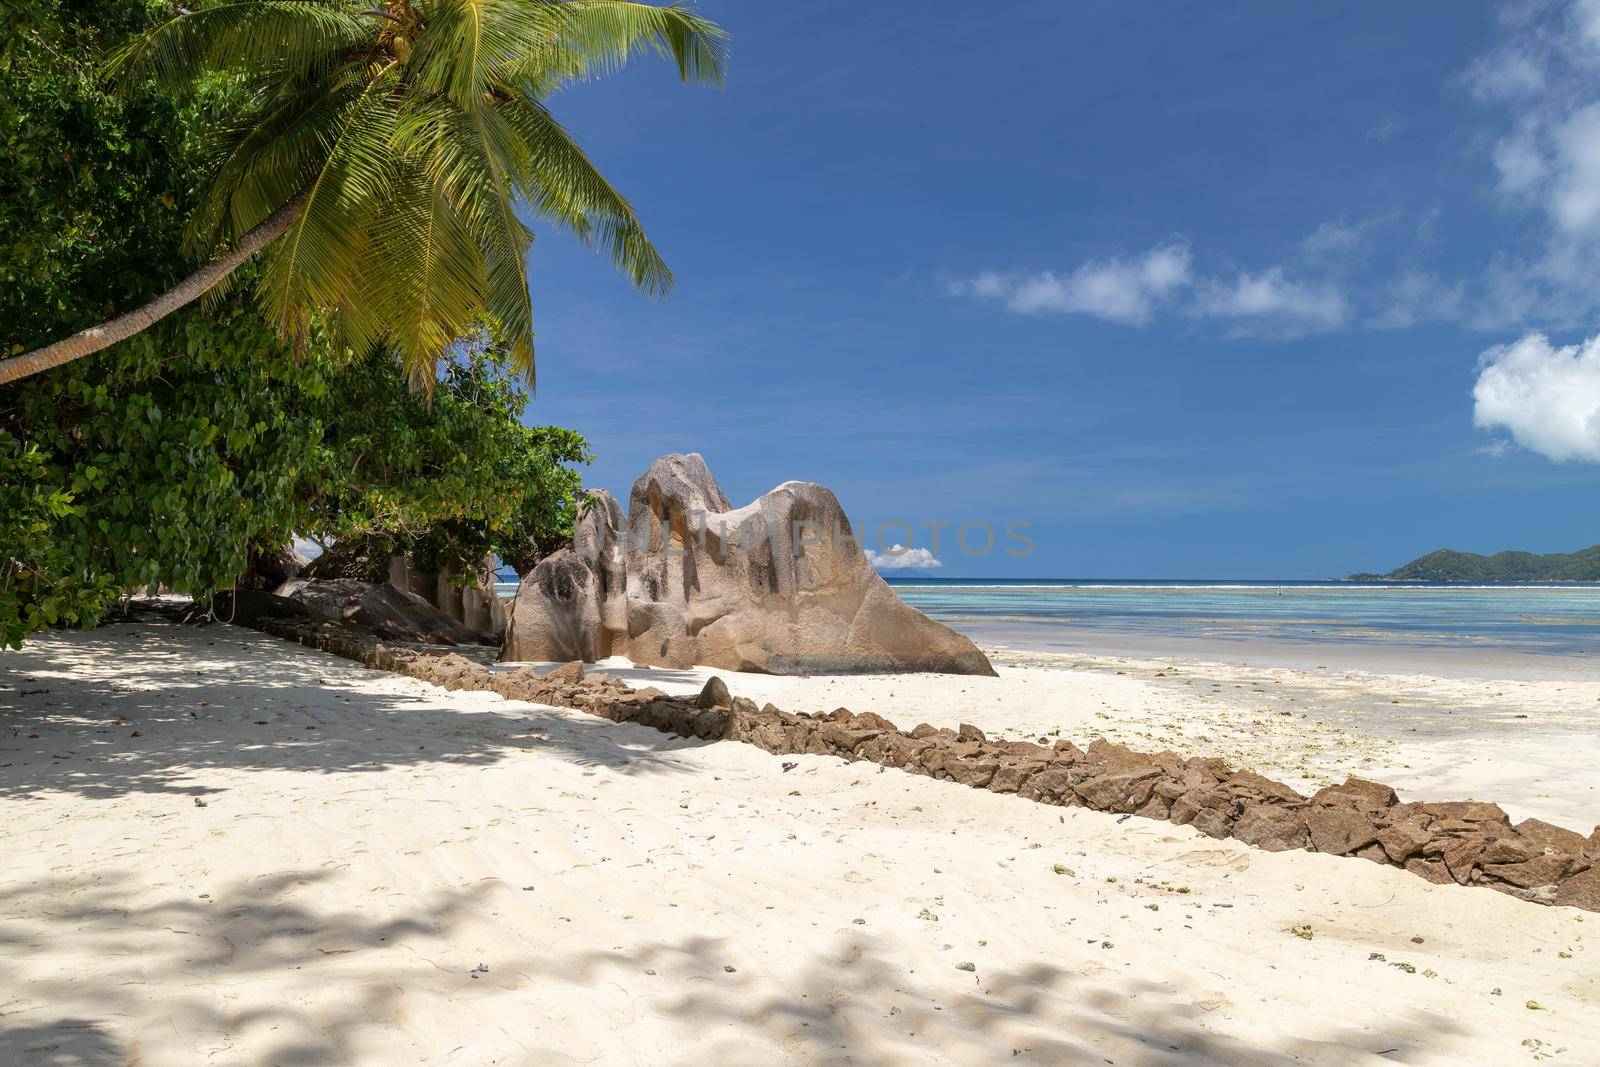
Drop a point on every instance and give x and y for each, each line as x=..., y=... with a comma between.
x=168, y=458
x=449, y=478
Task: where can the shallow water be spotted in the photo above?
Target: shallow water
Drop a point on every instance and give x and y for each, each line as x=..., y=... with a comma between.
x=1436, y=627
x=1510, y=630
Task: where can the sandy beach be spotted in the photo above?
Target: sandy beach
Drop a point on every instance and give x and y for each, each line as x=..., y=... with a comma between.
x=1528, y=744
x=690, y=534
x=223, y=848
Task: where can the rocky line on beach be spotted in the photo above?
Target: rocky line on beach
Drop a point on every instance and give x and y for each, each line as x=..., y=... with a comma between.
x=1468, y=843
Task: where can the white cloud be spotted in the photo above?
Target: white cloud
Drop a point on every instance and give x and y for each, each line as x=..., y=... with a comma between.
x=1545, y=82
x=900, y=557
x=1519, y=158
x=1573, y=191
x=1547, y=398
x=1508, y=74
x=1586, y=17
x=1132, y=291
x=1417, y=296
x=986, y=284
x=1540, y=87
x=1334, y=238
x=1120, y=290
x=1275, y=302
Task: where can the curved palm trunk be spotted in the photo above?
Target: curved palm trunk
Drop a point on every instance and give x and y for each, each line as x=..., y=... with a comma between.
x=196, y=285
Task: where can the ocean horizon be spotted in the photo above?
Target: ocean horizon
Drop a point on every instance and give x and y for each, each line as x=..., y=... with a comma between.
x=1369, y=624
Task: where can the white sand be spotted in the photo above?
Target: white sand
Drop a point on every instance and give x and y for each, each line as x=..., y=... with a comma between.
x=367, y=841
x=1530, y=745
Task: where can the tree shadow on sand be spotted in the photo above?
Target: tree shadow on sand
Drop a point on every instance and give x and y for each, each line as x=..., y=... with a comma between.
x=850, y=1003
x=260, y=972
x=130, y=709
x=246, y=970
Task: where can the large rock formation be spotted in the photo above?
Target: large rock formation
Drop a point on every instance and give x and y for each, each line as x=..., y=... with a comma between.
x=375, y=606
x=387, y=594
x=466, y=596
x=779, y=586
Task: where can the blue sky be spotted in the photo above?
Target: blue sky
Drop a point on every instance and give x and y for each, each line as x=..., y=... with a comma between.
x=1242, y=290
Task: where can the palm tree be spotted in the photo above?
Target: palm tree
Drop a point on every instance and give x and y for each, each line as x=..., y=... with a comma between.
x=380, y=154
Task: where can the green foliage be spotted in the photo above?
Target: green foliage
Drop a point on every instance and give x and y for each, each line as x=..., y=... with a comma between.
x=411, y=129
x=94, y=190
x=450, y=478
x=163, y=459
x=39, y=585
x=168, y=458
x=1448, y=565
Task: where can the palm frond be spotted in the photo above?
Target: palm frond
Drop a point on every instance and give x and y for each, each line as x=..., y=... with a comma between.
x=564, y=186
x=270, y=151
x=484, y=158
x=467, y=45
x=317, y=262
x=243, y=34
x=407, y=137
x=599, y=37
x=427, y=274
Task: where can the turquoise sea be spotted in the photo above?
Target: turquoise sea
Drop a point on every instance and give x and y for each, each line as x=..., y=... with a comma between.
x=1431, y=625
x=1138, y=616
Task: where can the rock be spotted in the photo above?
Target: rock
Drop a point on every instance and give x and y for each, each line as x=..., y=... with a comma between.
x=1542, y=870
x=1248, y=783
x=1548, y=837
x=567, y=672
x=467, y=594
x=379, y=608
x=968, y=732
x=469, y=600
x=1113, y=792
x=1460, y=857
x=1403, y=840
x=1432, y=870
x=269, y=568
x=778, y=586
x=1539, y=894
x=556, y=614
x=1357, y=793
x=1468, y=811
x=1012, y=774
x=1581, y=890
x=1592, y=849
x=1339, y=831
x=715, y=694
x=1068, y=751
x=1187, y=807
x=573, y=604
x=1212, y=823
x=1511, y=849
x=973, y=772
x=355, y=558
x=1271, y=827
x=1048, y=784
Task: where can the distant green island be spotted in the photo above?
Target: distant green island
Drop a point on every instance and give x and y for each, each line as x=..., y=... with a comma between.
x=1448, y=565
